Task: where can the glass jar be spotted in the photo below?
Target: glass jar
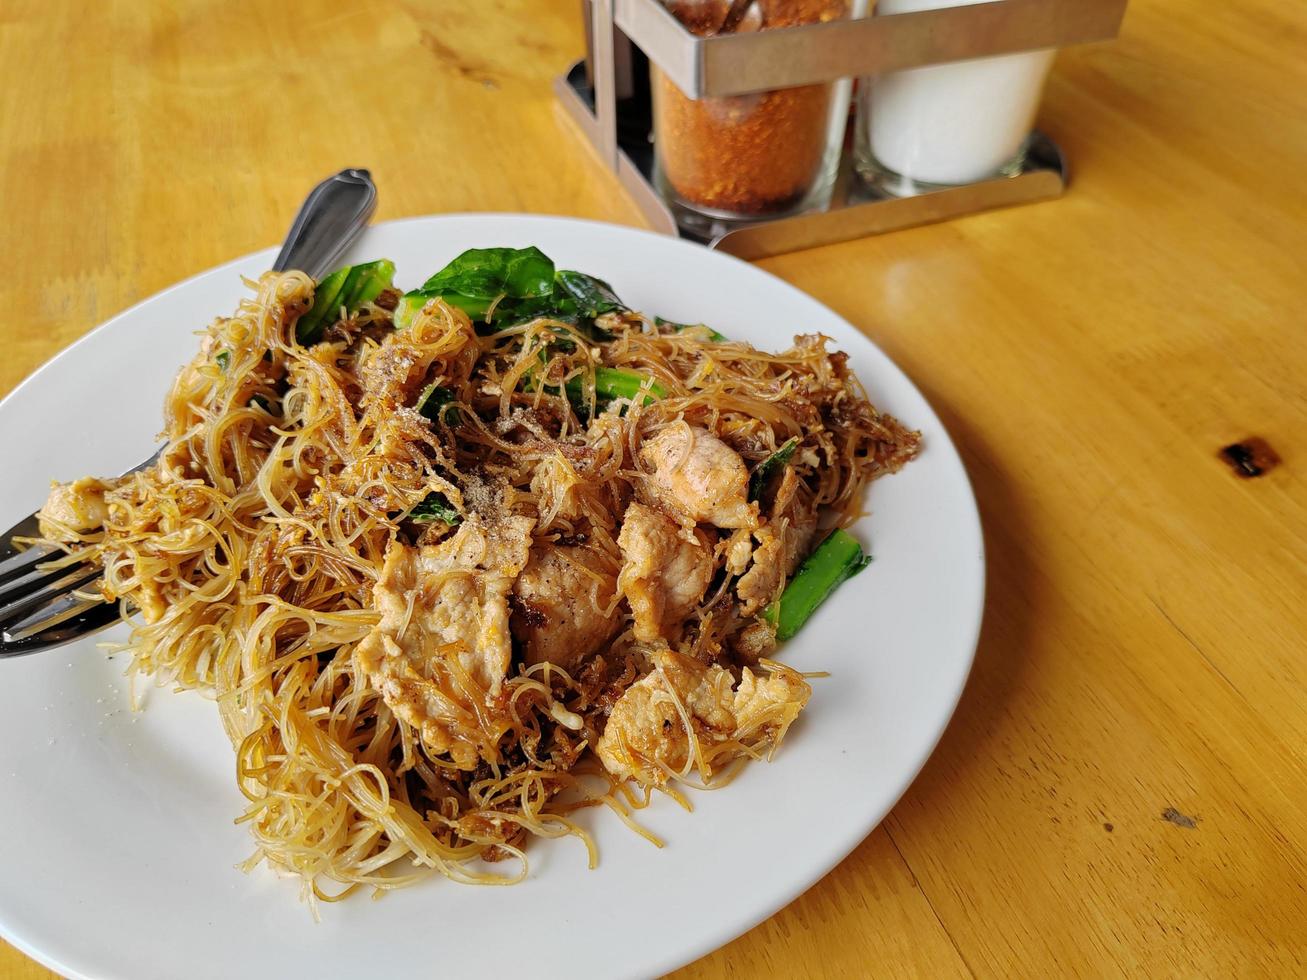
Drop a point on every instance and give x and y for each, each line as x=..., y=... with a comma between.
x=724, y=161
x=944, y=125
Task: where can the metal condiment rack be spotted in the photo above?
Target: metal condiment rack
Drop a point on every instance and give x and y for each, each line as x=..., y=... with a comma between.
x=607, y=95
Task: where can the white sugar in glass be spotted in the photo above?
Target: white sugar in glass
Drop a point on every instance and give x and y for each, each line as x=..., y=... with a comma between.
x=948, y=124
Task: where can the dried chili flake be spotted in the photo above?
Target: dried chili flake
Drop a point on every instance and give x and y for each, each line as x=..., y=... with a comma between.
x=744, y=154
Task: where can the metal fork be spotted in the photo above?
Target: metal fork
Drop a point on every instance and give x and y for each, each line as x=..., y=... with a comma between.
x=45, y=603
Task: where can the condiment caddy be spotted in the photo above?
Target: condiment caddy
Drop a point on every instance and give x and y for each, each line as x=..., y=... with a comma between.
x=744, y=140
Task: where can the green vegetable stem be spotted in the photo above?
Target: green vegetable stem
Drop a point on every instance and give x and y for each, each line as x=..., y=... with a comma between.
x=836, y=559
x=613, y=383
x=713, y=335
x=772, y=464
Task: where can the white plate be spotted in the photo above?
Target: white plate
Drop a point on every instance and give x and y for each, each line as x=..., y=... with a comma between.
x=117, y=847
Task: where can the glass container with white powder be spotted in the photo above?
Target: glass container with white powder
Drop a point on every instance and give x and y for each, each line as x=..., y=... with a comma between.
x=945, y=125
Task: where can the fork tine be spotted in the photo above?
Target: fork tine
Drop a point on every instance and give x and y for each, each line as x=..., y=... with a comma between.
x=80, y=576
x=57, y=623
x=51, y=614
x=17, y=587
x=23, y=562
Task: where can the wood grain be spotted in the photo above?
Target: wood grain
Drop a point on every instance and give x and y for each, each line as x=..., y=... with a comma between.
x=1143, y=643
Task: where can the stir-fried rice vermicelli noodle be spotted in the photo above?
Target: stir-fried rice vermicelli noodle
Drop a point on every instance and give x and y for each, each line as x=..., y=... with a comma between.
x=450, y=578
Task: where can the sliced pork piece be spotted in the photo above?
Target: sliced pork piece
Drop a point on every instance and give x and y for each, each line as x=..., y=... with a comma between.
x=664, y=575
x=442, y=648
x=646, y=738
x=738, y=549
x=74, y=508
x=783, y=542
x=777, y=555
x=698, y=477
x=766, y=575
x=754, y=642
x=565, y=607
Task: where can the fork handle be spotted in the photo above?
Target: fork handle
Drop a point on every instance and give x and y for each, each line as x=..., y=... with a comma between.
x=330, y=220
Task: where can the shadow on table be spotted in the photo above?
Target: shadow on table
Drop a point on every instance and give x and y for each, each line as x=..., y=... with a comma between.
x=1012, y=589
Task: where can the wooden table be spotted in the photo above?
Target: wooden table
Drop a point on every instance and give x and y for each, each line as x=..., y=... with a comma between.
x=1122, y=790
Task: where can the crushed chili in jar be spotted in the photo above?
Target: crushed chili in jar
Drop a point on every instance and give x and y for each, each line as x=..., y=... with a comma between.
x=750, y=154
